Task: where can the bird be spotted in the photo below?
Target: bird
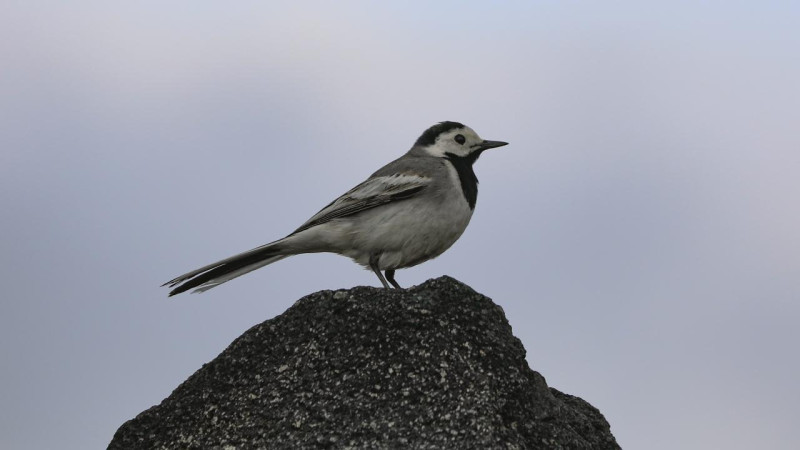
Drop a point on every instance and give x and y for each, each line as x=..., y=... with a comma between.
x=409, y=211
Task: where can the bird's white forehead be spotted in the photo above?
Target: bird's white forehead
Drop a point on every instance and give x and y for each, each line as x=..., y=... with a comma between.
x=445, y=142
x=465, y=131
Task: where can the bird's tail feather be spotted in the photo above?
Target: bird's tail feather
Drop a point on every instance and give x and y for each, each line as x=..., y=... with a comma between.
x=227, y=269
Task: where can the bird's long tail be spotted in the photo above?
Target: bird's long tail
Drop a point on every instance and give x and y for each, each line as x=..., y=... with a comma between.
x=213, y=275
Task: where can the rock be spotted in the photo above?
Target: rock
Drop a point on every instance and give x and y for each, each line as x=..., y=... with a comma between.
x=433, y=366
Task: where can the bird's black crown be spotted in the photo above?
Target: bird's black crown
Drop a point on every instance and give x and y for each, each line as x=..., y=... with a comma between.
x=429, y=136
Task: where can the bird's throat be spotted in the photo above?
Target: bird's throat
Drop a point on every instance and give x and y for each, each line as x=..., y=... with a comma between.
x=469, y=182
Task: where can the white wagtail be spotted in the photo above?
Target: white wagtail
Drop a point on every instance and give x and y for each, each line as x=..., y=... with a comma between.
x=409, y=211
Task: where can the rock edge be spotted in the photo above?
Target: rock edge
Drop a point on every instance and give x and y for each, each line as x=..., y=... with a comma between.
x=433, y=366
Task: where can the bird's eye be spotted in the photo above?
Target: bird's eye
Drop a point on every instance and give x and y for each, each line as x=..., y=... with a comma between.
x=460, y=139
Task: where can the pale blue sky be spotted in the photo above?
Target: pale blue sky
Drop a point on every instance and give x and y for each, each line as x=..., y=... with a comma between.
x=640, y=231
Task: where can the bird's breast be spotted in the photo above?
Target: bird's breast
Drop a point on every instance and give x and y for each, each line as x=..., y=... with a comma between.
x=463, y=177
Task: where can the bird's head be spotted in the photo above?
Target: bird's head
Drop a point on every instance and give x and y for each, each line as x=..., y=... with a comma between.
x=454, y=140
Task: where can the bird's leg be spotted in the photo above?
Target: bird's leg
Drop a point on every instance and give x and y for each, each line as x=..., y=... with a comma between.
x=390, y=277
x=373, y=264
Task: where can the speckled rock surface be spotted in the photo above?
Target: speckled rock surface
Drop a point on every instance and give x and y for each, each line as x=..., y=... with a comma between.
x=434, y=366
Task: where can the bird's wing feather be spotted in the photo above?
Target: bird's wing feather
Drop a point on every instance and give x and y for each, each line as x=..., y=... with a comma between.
x=374, y=192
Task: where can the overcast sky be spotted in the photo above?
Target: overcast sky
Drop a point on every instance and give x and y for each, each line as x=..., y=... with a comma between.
x=641, y=230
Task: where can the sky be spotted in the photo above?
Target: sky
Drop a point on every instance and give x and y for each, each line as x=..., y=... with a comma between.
x=640, y=230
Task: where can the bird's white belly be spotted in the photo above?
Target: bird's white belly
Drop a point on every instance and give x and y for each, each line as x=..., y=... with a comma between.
x=398, y=235
x=408, y=233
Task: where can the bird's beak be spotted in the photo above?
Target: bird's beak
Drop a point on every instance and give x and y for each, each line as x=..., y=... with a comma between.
x=485, y=145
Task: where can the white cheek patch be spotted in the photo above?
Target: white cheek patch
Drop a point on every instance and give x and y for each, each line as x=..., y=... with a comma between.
x=436, y=150
x=441, y=151
x=446, y=144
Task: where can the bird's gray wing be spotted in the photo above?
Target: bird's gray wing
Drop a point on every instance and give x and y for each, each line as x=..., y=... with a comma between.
x=376, y=191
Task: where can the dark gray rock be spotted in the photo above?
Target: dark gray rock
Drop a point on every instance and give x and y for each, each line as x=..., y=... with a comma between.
x=434, y=366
